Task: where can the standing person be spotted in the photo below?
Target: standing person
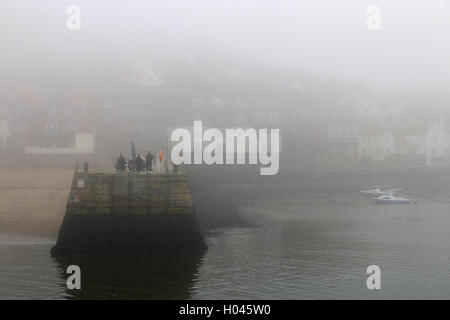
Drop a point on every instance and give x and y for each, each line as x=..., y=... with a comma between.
x=139, y=163
x=121, y=163
x=120, y=166
x=149, y=158
x=117, y=165
x=131, y=164
x=158, y=160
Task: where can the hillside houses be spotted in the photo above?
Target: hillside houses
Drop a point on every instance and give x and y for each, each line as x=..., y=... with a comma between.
x=410, y=144
x=430, y=141
x=324, y=124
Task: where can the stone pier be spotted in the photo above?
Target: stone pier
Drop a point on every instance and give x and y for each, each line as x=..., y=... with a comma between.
x=110, y=212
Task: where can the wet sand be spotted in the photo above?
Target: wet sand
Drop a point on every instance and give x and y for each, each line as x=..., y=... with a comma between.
x=32, y=200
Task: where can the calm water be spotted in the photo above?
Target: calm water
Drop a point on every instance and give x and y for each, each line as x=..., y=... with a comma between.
x=294, y=252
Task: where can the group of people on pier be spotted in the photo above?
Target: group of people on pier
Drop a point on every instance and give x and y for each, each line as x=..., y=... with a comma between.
x=137, y=163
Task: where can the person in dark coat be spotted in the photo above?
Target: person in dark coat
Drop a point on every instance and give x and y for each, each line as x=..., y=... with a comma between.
x=121, y=163
x=139, y=163
x=149, y=160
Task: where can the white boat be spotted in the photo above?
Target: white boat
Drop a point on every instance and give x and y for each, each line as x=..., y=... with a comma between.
x=373, y=193
x=378, y=192
x=390, y=199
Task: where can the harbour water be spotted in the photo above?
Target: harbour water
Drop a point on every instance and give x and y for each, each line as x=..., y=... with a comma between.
x=291, y=251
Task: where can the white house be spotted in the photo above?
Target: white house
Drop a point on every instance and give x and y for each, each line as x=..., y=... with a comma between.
x=376, y=147
x=431, y=141
x=436, y=142
x=343, y=140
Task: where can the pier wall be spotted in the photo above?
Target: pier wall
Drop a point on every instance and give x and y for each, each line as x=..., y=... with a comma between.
x=132, y=212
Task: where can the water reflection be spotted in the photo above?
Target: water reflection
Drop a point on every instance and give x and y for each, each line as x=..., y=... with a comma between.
x=295, y=252
x=156, y=276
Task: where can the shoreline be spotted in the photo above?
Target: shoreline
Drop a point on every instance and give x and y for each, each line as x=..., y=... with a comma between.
x=33, y=200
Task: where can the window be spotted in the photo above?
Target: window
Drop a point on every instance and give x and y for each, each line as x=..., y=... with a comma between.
x=260, y=117
x=52, y=129
x=333, y=149
x=335, y=132
x=351, y=132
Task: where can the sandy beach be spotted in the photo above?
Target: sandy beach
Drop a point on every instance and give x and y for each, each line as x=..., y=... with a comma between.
x=32, y=200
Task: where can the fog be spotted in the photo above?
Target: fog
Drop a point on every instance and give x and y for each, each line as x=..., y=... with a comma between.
x=308, y=139
x=138, y=68
x=325, y=38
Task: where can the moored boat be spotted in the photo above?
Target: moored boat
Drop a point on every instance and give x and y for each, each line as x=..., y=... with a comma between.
x=373, y=193
x=378, y=192
x=390, y=199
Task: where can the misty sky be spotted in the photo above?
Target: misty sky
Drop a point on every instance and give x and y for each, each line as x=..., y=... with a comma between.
x=323, y=37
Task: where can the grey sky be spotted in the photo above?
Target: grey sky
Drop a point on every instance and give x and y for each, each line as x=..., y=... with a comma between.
x=324, y=37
